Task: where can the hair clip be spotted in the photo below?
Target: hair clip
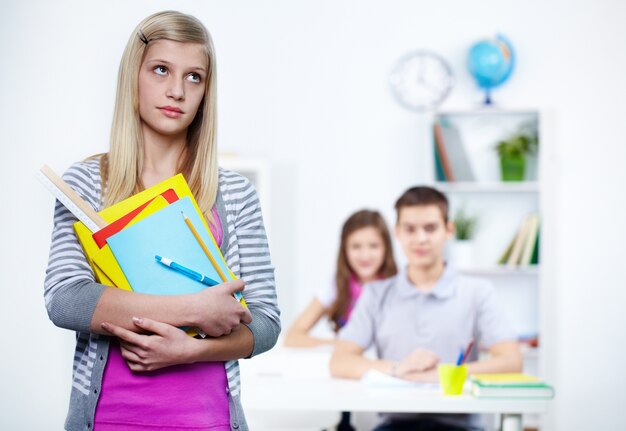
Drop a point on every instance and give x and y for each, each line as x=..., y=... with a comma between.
x=143, y=37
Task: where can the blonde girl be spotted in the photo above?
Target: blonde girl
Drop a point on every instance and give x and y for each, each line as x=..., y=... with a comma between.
x=133, y=368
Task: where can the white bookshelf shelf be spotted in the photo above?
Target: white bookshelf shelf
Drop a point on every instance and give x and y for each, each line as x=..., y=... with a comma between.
x=486, y=111
x=488, y=187
x=502, y=271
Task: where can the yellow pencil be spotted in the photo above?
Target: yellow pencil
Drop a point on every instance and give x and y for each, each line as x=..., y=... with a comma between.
x=238, y=295
x=206, y=250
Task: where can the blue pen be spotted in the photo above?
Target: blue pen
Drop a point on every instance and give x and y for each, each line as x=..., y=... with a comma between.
x=460, y=360
x=193, y=274
x=186, y=271
x=465, y=352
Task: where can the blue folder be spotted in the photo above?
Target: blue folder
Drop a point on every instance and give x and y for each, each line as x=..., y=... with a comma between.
x=165, y=233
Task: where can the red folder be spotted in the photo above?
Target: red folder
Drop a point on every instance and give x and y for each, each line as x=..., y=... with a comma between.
x=101, y=236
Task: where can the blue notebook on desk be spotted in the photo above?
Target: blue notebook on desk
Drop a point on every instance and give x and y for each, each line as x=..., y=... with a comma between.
x=165, y=233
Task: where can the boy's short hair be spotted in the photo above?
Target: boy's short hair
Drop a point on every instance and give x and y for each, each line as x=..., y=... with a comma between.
x=420, y=196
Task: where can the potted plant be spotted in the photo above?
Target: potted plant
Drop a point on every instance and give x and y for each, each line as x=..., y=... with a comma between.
x=514, y=150
x=462, y=248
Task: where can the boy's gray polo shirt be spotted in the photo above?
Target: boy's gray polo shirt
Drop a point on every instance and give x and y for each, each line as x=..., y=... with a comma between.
x=396, y=318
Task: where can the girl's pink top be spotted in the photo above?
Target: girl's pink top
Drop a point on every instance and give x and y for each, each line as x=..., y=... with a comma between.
x=356, y=288
x=181, y=397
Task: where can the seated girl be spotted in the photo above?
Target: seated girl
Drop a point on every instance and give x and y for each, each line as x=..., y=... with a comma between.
x=365, y=254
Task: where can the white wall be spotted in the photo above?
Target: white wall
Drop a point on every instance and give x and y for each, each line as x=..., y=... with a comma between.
x=304, y=85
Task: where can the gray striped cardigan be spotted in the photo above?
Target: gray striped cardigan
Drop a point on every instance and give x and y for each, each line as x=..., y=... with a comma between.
x=71, y=293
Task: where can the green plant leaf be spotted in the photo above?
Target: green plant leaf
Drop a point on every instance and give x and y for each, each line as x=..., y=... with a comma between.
x=523, y=142
x=465, y=226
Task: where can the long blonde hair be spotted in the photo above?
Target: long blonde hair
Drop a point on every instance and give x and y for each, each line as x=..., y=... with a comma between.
x=121, y=169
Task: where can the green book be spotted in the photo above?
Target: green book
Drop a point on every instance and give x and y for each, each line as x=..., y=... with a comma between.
x=534, y=260
x=510, y=385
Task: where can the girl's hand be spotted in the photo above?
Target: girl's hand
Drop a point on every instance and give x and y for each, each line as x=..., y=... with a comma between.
x=419, y=360
x=163, y=346
x=217, y=312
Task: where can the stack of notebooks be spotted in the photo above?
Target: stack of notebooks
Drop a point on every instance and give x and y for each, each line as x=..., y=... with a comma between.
x=513, y=385
x=150, y=224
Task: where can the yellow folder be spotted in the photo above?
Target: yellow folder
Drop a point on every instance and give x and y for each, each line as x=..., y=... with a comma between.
x=104, y=258
x=105, y=267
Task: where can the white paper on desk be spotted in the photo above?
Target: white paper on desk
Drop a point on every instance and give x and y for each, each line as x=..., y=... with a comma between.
x=377, y=378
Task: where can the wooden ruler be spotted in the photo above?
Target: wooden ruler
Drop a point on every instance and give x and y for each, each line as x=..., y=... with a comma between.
x=72, y=201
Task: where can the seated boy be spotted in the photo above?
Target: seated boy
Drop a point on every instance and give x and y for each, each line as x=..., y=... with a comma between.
x=425, y=315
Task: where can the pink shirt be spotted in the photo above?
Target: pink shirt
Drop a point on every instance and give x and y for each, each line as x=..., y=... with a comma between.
x=328, y=295
x=356, y=289
x=190, y=397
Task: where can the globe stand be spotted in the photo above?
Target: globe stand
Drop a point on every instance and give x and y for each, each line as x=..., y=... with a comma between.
x=488, y=100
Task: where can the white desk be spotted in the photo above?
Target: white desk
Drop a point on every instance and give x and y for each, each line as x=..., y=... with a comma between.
x=291, y=380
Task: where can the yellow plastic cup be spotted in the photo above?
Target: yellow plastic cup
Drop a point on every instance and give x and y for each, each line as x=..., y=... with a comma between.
x=452, y=378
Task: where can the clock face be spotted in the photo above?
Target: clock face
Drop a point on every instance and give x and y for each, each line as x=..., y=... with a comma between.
x=421, y=80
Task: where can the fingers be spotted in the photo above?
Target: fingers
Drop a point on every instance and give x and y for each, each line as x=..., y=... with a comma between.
x=226, y=332
x=137, y=367
x=235, y=286
x=222, y=313
x=247, y=316
x=136, y=359
x=229, y=327
x=150, y=325
x=424, y=358
x=426, y=363
x=124, y=334
x=239, y=314
x=430, y=361
x=419, y=360
x=131, y=353
x=134, y=367
x=429, y=364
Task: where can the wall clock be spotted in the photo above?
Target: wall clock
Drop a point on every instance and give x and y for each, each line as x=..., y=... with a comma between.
x=421, y=80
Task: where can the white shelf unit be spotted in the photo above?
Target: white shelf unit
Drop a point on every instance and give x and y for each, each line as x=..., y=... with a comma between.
x=499, y=206
x=257, y=171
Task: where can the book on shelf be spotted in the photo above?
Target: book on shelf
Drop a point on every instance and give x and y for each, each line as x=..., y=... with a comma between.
x=441, y=156
x=451, y=151
x=534, y=259
x=530, y=240
x=505, y=256
x=440, y=174
x=516, y=251
x=523, y=250
x=509, y=385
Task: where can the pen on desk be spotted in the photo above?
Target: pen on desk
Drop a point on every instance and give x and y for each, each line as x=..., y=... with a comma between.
x=186, y=271
x=467, y=351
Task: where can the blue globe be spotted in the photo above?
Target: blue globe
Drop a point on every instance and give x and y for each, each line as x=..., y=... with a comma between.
x=491, y=62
